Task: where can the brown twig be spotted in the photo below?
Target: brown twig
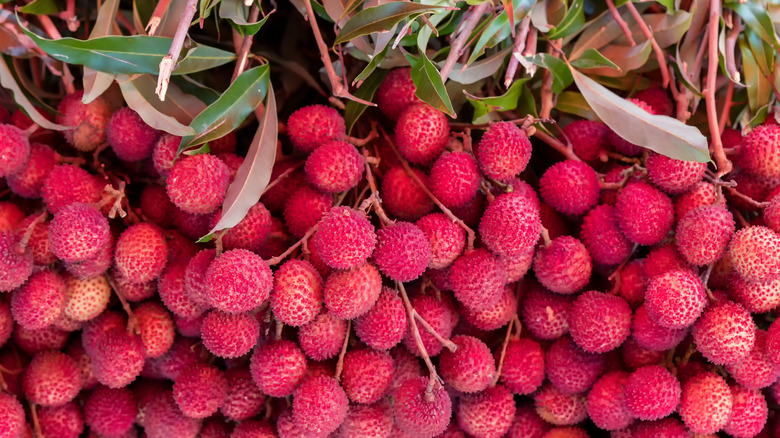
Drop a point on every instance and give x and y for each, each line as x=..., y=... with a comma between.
x=246, y=44
x=433, y=378
x=373, y=201
x=620, y=22
x=168, y=63
x=132, y=321
x=722, y=162
x=22, y=245
x=157, y=15
x=659, y=54
x=725, y=113
x=278, y=259
x=52, y=31
x=69, y=15
x=445, y=342
x=730, y=49
x=503, y=352
x=517, y=51
x=36, y=422
x=459, y=44
x=340, y=363
x=547, y=80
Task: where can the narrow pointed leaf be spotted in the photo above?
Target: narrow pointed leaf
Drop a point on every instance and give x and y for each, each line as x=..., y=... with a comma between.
x=562, y=77
x=571, y=23
x=366, y=91
x=591, y=58
x=665, y=135
x=8, y=82
x=430, y=88
x=505, y=102
x=255, y=172
x=40, y=7
x=755, y=16
x=136, y=93
x=380, y=18
x=237, y=13
x=571, y=102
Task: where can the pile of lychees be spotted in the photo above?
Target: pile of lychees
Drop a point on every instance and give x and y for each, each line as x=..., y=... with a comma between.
x=407, y=284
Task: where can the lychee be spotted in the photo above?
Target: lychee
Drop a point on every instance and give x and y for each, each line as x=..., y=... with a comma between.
x=748, y=414
x=86, y=299
x=297, y=294
x=756, y=371
x=51, y=379
x=422, y=133
x=510, y=225
x=383, y=326
x=163, y=419
x=487, y=414
x=653, y=336
x=470, y=368
x=402, y=197
x=725, y=333
x=156, y=205
x=200, y=390
x=77, y=232
x=558, y=408
x=706, y=403
x=351, y=293
x=704, y=233
x=129, y=136
x=319, y=405
x=344, y=238
x=40, y=301
x=478, y=279
x=606, y=406
x=495, y=316
x=675, y=299
x=651, y=392
x=419, y=413
x=455, y=178
x=622, y=145
x=278, y=367
x=171, y=287
x=12, y=420
x=86, y=121
x=334, y=167
x=438, y=316
x=754, y=254
x=141, y=253
x=563, y=266
x=110, y=411
x=657, y=99
x=156, y=328
x=703, y=193
x=545, y=314
x=27, y=182
x=367, y=375
x=571, y=187
x=322, y=338
x=599, y=322
x=238, y=281
x=673, y=176
x=644, y=213
x=759, y=153
x=587, y=139
x=66, y=184
x=602, y=236
x=396, y=93
x=524, y=366
x=62, y=421
x=313, y=125
x=118, y=358
x=304, y=209
x=197, y=183
x=445, y=238
x=15, y=150
x=402, y=252
x=527, y=423
x=570, y=369
x=755, y=297
x=164, y=154
x=243, y=399
x=375, y=420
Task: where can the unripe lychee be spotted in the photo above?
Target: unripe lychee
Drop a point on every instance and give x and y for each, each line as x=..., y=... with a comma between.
x=563, y=266
x=704, y=233
x=571, y=187
x=487, y=414
x=40, y=301
x=706, y=403
x=51, y=379
x=754, y=254
x=675, y=299
x=86, y=121
x=402, y=252
x=27, y=182
x=422, y=133
x=478, y=279
x=558, y=408
x=66, y=184
x=570, y=369
x=725, y=333
x=470, y=368
x=759, y=153
x=653, y=336
x=402, y=197
x=510, y=225
x=418, y=413
x=344, y=238
x=651, y=392
x=129, y=136
x=77, y=232
x=334, y=167
x=238, y=281
x=455, y=178
x=644, y=213
x=200, y=390
x=197, y=183
x=367, y=375
x=110, y=411
x=352, y=293
x=86, y=299
x=673, y=176
x=322, y=338
x=396, y=93
x=587, y=138
x=383, y=326
x=297, y=294
x=602, y=236
x=313, y=125
x=15, y=150
x=606, y=405
x=141, y=253
x=319, y=405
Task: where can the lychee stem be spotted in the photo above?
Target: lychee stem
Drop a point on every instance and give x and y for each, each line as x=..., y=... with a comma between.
x=281, y=177
x=4, y=370
x=132, y=321
x=556, y=144
x=503, y=352
x=623, y=263
x=218, y=245
x=360, y=142
x=278, y=259
x=688, y=353
x=340, y=363
x=445, y=342
x=279, y=327
x=517, y=50
x=433, y=377
x=36, y=423
x=156, y=19
x=620, y=22
x=740, y=218
x=723, y=163
x=246, y=44
x=706, y=277
x=546, y=236
x=374, y=200
x=458, y=45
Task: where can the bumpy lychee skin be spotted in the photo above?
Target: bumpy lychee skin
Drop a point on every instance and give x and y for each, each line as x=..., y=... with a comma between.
x=367, y=375
x=250, y=232
x=62, y=421
x=141, y=253
x=34, y=341
x=396, y=93
x=756, y=371
x=754, y=254
x=172, y=291
x=194, y=276
x=478, y=279
x=674, y=176
x=77, y=232
x=510, y=225
x=558, y=408
x=652, y=392
x=297, y=294
x=40, y=301
x=725, y=333
x=334, y=167
x=6, y=323
x=243, y=399
x=570, y=187
x=455, y=178
x=10, y=216
x=86, y=298
x=675, y=299
x=66, y=184
x=200, y=390
x=163, y=419
x=344, y=238
x=504, y=151
x=278, y=367
x=375, y=420
x=197, y=183
x=164, y=154
x=653, y=336
x=587, y=139
x=599, y=322
x=129, y=136
x=439, y=316
x=755, y=297
x=704, y=233
x=402, y=252
x=313, y=125
x=706, y=403
x=110, y=411
x=657, y=99
x=488, y=413
x=563, y=266
x=545, y=314
x=86, y=122
x=51, y=379
x=602, y=236
x=383, y=326
x=12, y=420
x=445, y=238
x=703, y=193
x=156, y=328
x=402, y=197
x=15, y=150
x=570, y=369
x=27, y=182
x=644, y=213
x=523, y=371
x=118, y=358
x=322, y=338
x=759, y=153
x=527, y=423
x=495, y=316
x=422, y=133
x=606, y=406
x=304, y=209
x=352, y=293
x=470, y=368
x=319, y=405
x=238, y=281
x=748, y=413
x=420, y=416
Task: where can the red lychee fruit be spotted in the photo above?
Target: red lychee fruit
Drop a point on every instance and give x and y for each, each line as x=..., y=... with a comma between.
x=164, y=154
x=703, y=233
x=673, y=176
x=668, y=427
x=62, y=421
x=278, y=367
x=755, y=187
x=250, y=232
x=34, y=341
x=662, y=259
x=141, y=253
x=725, y=333
x=402, y=197
x=172, y=290
x=200, y=390
x=38, y=244
x=384, y=325
x=156, y=205
x=644, y=213
x=51, y=379
x=756, y=371
x=322, y=338
x=455, y=178
x=118, y=358
x=510, y=225
x=253, y=429
x=755, y=297
x=66, y=184
x=478, y=279
x=297, y=294
x=352, y=293
x=570, y=369
x=6, y=323
x=632, y=283
x=86, y=121
x=527, y=423
x=563, y=266
x=703, y=193
x=422, y=133
x=344, y=238
x=40, y=301
x=606, y=405
x=599, y=322
x=419, y=413
x=602, y=236
x=15, y=150
x=86, y=299
x=570, y=187
x=496, y=316
x=504, y=151
x=396, y=93
x=487, y=414
x=653, y=336
x=759, y=153
x=238, y=281
x=545, y=314
x=657, y=99
x=445, y=238
x=10, y=216
x=367, y=375
x=27, y=181
x=243, y=399
x=193, y=226
x=754, y=255
x=304, y=209
x=95, y=329
x=470, y=368
x=319, y=405
x=156, y=328
x=110, y=411
x=334, y=167
x=77, y=232
x=651, y=392
x=229, y=335
x=12, y=421
x=402, y=252
x=163, y=419
x=748, y=413
x=313, y=125
x=374, y=420
x=275, y=197
x=179, y=357
x=524, y=366
x=587, y=139
x=197, y=183
x=675, y=299
x=706, y=403
x=558, y=408
x=194, y=276
x=439, y=316
x=129, y=136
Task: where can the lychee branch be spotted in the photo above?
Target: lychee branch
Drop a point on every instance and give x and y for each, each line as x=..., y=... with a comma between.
x=278, y=259
x=340, y=363
x=157, y=15
x=723, y=163
x=132, y=322
x=504, y=346
x=730, y=49
x=449, y=345
x=434, y=376
x=620, y=22
x=168, y=63
x=517, y=51
x=246, y=44
x=464, y=33
x=52, y=31
x=659, y=54
x=556, y=144
x=374, y=200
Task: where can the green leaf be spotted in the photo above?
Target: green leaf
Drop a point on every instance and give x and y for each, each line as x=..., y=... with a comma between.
x=430, y=88
x=665, y=135
x=191, y=86
x=762, y=52
x=349, y=7
x=562, y=77
x=505, y=102
x=366, y=92
x=627, y=58
x=237, y=13
x=755, y=16
x=479, y=70
x=572, y=102
x=380, y=18
x=591, y=58
x=759, y=87
x=372, y=65
x=499, y=28
x=40, y=7
x=129, y=54
x=229, y=111
x=572, y=22
x=96, y=82
x=255, y=172
x=8, y=82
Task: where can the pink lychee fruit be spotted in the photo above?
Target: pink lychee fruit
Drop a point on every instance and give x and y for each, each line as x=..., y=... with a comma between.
x=706, y=403
x=110, y=411
x=77, y=232
x=344, y=238
x=558, y=408
x=754, y=255
x=384, y=325
x=402, y=251
x=653, y=336
x=27, y=182
x=278, y=367
x=367, y=375
x=545, y=314
x=51, y=379
x=66, y=184
x=478, y=279
x=599, y=322
x=396, y=93
x=673, y=176
x=304, y=209
x=570, y=187
x=748, y=413
x=470, y=368
x=602, y=236
x=524, y=366
x=229, y=335
x=323, y=337
x=606, y=404
x=564, y=266
x=570, y=369
x=141, y=253
x=488, y=413
x=351, y=293
x=510, y=225
x=200, y=390
x=297, y=294
x=704, y=233
x=587, y=139
x=445, y=238
x=725, y=333
x=319, y=405
x=651, y=393
x=334, y=167
x=197, y=183
x=40, y=301
x=129, y=136
x=419, y=413
x=676, y=299
x=759, y=153
x=422, y=133
x=313, y=125
x=238, y=281
x=504, y=151
x=15, y=149
x=455, y=178
x=402, y=197
x=644, y=213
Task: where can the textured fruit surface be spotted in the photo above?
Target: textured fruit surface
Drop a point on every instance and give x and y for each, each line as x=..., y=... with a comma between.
x=129, y=136
x=478, y=279
x=311, y=126
x=602, y=236
x=674, y=176
x=606, y=405
x=599, y=322
x=564, y=266
x=417, y=415
x=421, y=133
x=297, y=294
x=334, y=167
x=524, y=366
x=352, y=293
x=197, y=184
x=344, y=238
x=402, y=251
x=704, y=233
x=470, y=368
x=651, y=393
x=754, y=254
x=238, y=281
x=675, y=299
x=725, y=333
x=87, y=122
x=15, y=149
x=141, y=253
x=706, y=403
x=319, y=405
x=396, y=93
x=759, y=153
x=510, y=225
x=644, y=214
x=455, y=178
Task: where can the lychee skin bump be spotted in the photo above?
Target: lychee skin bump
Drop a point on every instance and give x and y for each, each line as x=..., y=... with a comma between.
x=402, y=251
x=129, y=136
x=334, y=167
x=704, y=233
x=754, y=253
x=344, y=238
x=570, y=187
x=644, y=213
x=504, y=151
x=674, y=176
x=759, y=153
x=313, y=125
x=197, y=183
x=14, y=150
x=417, y=416
x=510, y=225
x=238, y=281
x=421, y=133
